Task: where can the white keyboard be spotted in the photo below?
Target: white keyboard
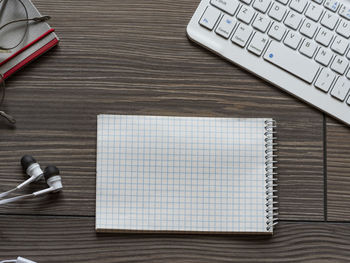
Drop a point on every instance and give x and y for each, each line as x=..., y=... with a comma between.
x=300, y=46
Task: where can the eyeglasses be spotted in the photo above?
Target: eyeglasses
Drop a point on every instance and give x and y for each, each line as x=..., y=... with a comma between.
x=14, y=25
x=3, y=114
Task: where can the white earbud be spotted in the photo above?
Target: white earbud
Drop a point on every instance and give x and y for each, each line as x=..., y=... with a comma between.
x=18, y=260
x=32, y=168
x=54, y=181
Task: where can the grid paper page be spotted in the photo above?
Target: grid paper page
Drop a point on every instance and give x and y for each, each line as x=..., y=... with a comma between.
x=180, y=174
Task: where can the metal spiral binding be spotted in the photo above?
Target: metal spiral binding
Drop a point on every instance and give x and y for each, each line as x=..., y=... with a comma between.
x=271, y=175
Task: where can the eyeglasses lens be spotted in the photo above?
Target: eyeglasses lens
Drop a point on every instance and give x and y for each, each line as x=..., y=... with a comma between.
x=12, y=33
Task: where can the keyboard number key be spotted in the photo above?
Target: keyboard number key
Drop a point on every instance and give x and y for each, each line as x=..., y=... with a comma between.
x=341, y=89
x=210, y=17
x=314, y=12
x=325, y=80
x=228, y=6
x=339, y=65
x=332, y=5
x=277, y=31
x=225, y=26
x=258, y=43
x=242, y=34
x=345, y=11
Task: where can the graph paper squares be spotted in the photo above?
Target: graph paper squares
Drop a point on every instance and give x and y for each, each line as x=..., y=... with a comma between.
x=180, y=174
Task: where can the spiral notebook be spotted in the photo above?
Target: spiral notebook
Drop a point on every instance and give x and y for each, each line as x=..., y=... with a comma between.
x=185, y=174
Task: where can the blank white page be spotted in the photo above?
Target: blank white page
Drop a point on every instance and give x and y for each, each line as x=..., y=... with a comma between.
x=180, y=174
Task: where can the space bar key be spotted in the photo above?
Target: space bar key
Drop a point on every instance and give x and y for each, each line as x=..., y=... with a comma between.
x=291, y=61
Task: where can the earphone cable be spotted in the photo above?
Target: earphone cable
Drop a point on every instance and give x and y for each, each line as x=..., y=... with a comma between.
x=17, y=198
x=2, y=195
x=9, y=261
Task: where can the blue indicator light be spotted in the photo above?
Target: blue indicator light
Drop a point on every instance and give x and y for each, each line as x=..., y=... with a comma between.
x=271, y=55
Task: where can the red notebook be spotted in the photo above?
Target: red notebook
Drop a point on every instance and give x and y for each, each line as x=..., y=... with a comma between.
x=39, y=39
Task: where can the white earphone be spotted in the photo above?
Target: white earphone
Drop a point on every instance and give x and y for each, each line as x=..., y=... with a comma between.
x=18, y=260
x=32, y=168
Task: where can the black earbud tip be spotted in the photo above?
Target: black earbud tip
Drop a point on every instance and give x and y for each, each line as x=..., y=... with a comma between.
x=27, y=161
x=51, y=171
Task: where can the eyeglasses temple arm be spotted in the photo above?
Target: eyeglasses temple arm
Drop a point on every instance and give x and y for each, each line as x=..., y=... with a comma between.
x=8, y=117
x=35, y=19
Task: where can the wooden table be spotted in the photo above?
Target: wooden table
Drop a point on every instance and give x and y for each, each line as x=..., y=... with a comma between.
x=133, y=57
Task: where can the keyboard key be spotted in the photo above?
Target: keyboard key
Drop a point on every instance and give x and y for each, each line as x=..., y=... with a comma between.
x=261, y=22
x=348, y=75
x=298, y=5
x=344, y=28
x=318, y=1
x=226, y=26
x=277, y=31
x=293, y=20
x=348, y=101
x=283, y=1
x=308, y=48
x=294, y=63
x=324, y=56
x=325, y=80
x=246, y=1
x=314, y=12
x=339, y=64
x=262, y=5
x=228, y=6
x=341, y=89
x=340, y=45
x=329, y=20
x=345, y=11
x=348, y=55
x=308, y=28
x=292, y=39
x=258, y=43
x=245, y=14
x=210, y=17
x=332, y=5
x=277, y=12
x=324, y=37
x=242, y=34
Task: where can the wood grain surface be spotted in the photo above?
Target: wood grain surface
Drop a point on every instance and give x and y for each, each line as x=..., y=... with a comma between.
x=69, y=239
x=338, y=172
x=133, y=57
